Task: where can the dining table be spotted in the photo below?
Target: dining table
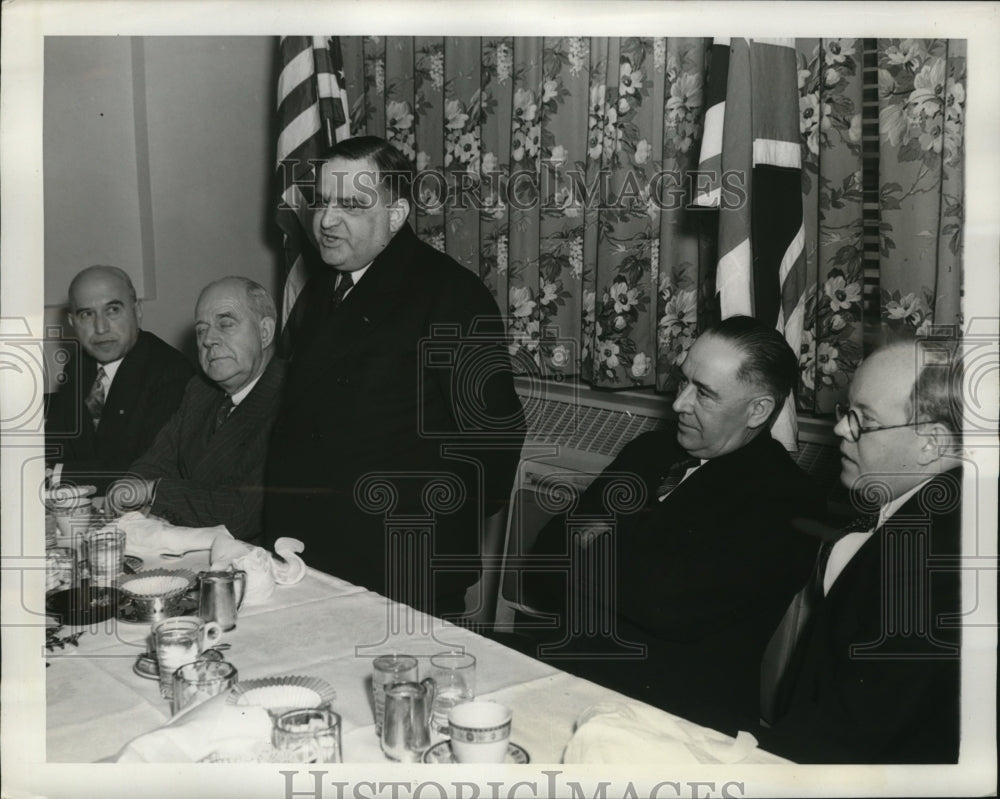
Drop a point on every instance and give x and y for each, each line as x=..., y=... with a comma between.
x=324, y=627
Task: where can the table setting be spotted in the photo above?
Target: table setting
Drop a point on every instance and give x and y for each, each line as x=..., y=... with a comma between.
x=191, y=646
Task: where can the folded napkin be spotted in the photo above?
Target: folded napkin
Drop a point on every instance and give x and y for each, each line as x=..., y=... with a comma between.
x=150, y=536
x=198, y=731
x=263, y=570
x=613, y=732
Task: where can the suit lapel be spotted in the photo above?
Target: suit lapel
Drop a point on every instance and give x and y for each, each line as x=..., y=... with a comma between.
x=252, y=412
x=128, y=384
x=388, y=283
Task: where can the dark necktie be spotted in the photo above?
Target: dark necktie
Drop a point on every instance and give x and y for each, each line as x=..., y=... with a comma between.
x=95, y=399
x=675, y=474
x=781, y=647
x=345, y=282
x=223, y=412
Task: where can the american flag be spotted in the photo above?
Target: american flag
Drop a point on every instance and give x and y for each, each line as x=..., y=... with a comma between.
x=312, y=116
x=751, y=137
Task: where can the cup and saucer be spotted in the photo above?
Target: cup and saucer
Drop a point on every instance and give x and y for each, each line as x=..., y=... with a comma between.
x=480, y=733
x=442, y=752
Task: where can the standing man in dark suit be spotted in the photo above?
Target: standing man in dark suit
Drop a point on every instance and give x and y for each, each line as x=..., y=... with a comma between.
x=864, y=668
x=206, y=465
x=122, y=390
x=400, y=431
x=672, y=596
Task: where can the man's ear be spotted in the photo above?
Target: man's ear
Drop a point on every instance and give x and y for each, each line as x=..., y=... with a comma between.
x=138, y=312
x=267, y=326
x=936, y=441
x=759, y=411
x=398, y=212
x=71, y=317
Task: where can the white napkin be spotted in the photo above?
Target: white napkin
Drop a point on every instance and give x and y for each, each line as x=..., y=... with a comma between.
x=150, y=536
x=198, y=731
x=263, y=571
x=613, y=732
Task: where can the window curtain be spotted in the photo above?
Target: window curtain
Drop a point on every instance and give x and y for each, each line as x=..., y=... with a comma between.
x=536, y=157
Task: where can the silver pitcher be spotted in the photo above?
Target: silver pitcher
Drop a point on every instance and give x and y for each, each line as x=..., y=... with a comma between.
x=218, y=598
x=406, y=731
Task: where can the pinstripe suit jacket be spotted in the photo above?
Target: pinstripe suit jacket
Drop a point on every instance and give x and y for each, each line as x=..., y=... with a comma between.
x=207, y=478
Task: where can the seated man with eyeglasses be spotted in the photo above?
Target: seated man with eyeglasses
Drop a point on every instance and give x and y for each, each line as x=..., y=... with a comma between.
x=864, y=667
x=121, y=389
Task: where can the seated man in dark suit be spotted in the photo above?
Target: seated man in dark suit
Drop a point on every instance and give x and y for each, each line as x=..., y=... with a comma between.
x=122, y=389
x=206, y=465
x=683, y=588
x=864, y=667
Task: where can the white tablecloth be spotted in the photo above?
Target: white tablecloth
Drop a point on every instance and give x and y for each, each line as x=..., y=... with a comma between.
x=321, y=627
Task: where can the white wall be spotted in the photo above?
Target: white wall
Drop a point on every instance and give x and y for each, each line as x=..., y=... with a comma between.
x=173, y=182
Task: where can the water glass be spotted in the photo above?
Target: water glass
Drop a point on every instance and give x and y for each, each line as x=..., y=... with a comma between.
x=201, y=680
x=454, y=674
x=60, y=568
x=106, y=554
x=308, y=735
x=387, y=670
x=178, y=641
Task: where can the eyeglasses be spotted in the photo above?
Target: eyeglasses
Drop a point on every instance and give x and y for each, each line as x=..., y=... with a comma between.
x=854, y=422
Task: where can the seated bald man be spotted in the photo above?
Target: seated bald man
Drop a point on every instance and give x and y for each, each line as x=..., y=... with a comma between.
x=121, y=389
x=206, y=465
x=864, y=668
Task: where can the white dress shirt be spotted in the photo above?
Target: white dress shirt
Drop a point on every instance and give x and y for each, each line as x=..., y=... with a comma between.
x=847, y=547
x=110, y=370
x=687, y=474
x=356, y=276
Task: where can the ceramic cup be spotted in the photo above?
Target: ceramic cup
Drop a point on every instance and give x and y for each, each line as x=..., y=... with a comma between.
x=480, y=732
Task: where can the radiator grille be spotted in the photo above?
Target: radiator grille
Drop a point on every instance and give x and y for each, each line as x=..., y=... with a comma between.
x=597, y=430
x=602, y=431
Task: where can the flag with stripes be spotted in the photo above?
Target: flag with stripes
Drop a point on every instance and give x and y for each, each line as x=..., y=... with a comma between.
x=752, y=165
x=312, y=116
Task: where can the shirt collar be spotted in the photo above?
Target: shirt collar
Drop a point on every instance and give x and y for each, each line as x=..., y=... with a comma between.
x=357, y=274
x=891, y=508
x=240, y=395
x=110, y=370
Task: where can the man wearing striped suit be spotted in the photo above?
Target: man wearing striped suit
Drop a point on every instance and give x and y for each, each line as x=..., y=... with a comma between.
x=206, y=465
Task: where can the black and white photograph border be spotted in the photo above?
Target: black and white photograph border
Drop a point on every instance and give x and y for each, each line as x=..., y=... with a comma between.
x=26, y=23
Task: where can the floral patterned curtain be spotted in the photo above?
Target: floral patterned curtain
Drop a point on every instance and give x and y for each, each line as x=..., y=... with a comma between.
x=541, y=161
x=917, y=196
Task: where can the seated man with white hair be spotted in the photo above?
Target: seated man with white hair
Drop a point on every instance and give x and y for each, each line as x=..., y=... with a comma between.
x=206, y=466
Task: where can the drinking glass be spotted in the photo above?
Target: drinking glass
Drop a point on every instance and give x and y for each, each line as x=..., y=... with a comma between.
x=106, y=554
x=388, y=670
x=454, y=674
x=60, y=568
x=308, y=735
x=178, y=641
x=201, y=680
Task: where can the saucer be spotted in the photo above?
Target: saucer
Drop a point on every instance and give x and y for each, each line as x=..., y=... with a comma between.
x=146, y=665
x=441, y=753
x=85, y=605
